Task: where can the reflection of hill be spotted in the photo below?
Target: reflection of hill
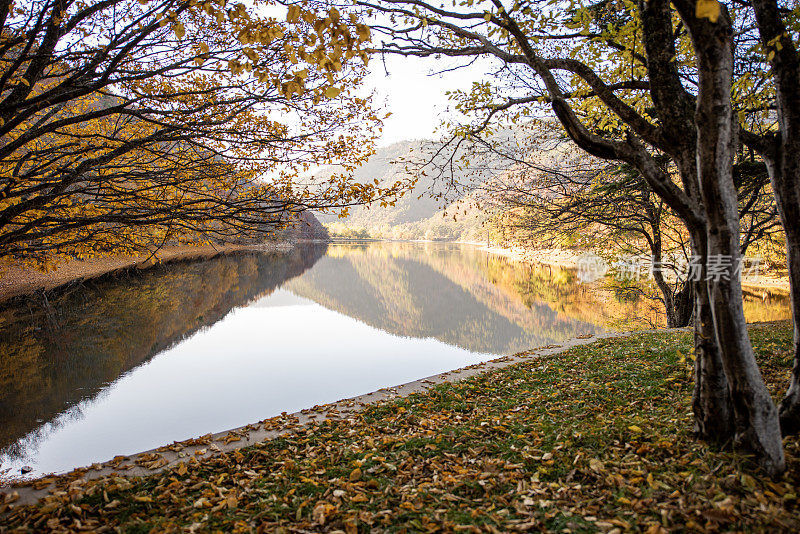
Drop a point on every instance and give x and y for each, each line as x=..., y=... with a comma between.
x=59, y=348
x=438, y=292
x=498, y=283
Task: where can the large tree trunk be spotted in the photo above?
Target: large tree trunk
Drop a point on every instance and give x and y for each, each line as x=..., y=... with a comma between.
x=711, y=399
x=782, y=155
x=755, y=415
x=787, y=196
x=789, y=409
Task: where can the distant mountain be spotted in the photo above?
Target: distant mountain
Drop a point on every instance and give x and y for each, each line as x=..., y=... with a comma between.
x=387, y=167
x=417, y=215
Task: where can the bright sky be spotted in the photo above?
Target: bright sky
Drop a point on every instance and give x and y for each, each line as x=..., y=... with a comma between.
x=416, y=98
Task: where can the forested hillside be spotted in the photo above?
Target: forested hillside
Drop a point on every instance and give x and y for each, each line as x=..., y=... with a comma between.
x=416, y=215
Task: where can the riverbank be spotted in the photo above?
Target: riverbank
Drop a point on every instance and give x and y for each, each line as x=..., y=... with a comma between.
x=596, y=437
x=569, y=258
x=18, y=280
x=550, y=256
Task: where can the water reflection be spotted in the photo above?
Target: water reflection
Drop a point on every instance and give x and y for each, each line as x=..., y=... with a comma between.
x=454, y=293
x=129, y=362
x=463, y=296
x=65, y=346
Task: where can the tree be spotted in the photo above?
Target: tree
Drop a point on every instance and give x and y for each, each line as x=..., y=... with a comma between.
x=611, y=208
x=549, y=193
x=125, y=125
x=777, y=28
x=662, y=80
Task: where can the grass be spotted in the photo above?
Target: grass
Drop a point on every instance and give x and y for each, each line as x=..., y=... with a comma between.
x=597, y=438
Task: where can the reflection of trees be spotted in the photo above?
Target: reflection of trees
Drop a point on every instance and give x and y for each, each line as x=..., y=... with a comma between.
x=608, y=303
x=481, y=302
x=558, y=288
x=437, y=291
x=61, y=347
x=765, y=304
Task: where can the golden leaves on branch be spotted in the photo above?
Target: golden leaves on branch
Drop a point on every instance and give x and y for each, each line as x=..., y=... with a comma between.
x=179, y=30
x=294, y=80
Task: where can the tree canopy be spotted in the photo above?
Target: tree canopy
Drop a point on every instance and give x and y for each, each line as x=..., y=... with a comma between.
x=125, y=124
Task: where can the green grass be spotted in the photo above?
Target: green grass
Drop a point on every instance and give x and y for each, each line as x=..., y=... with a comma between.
x=597, y=438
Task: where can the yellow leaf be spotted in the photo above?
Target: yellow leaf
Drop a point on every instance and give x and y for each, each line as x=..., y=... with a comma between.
x=363, y=32
x=179, y=30
x=143, y=499
x=182, y=469
x=749, y=482
x=707, y=9
x=634, y=428
x=332, y=92
x=355, y=475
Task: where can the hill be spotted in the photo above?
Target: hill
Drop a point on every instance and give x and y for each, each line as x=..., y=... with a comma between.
x=434, y=209
x=387, y=166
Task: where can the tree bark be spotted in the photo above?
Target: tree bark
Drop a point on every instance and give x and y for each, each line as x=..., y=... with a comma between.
x=789, y=408
x=755, y=415
x=782, y=156
x=781, y=165
x=677, y=305
x=711, y=399
x=684, y=306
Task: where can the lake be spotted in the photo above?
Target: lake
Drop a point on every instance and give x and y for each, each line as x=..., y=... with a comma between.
x=141, y=358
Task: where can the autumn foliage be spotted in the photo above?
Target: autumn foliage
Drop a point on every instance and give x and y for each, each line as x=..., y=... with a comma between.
x=126, y=125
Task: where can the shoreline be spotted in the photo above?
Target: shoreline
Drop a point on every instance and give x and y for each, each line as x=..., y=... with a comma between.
x=192, y=450
x=549, y=256
x=17, y=281
x=568, y=259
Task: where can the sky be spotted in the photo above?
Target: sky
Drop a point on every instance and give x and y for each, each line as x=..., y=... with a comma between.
x=406, y=88
x=415, y=97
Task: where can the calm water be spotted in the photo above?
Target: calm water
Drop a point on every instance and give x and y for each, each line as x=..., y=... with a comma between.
x=132, y=361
